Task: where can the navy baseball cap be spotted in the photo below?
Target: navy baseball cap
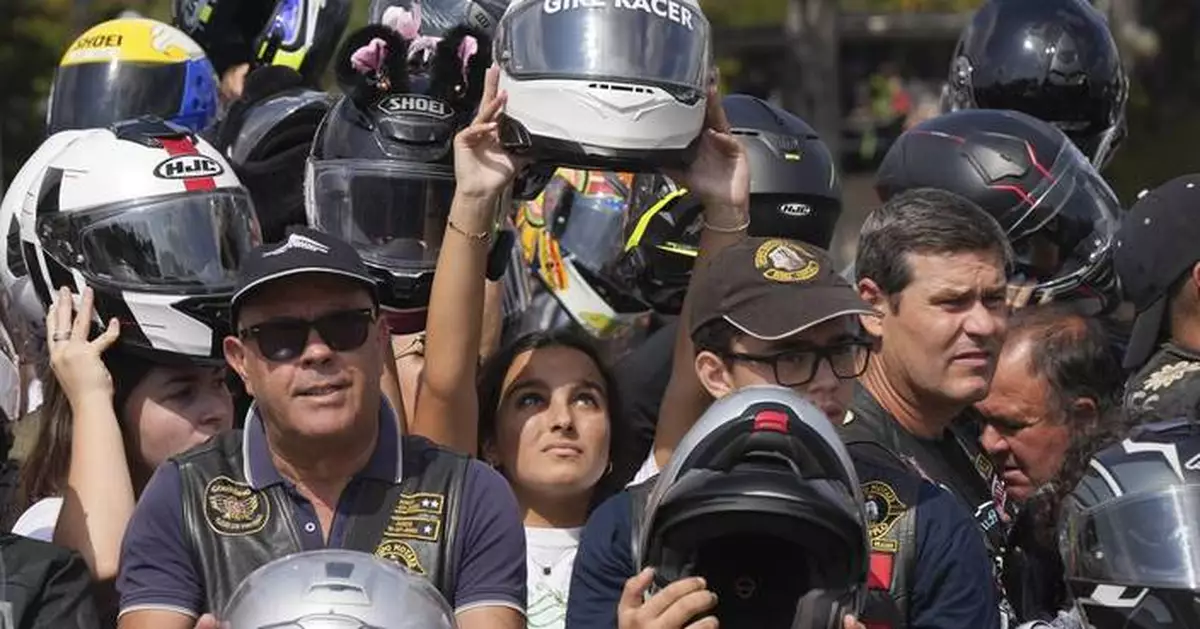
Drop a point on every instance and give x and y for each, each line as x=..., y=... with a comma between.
x=304, y=251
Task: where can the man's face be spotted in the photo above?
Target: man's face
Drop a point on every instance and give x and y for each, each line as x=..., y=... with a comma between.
x=1025, y=436
x=826, y=391
x=942, y=336
x=319, y=391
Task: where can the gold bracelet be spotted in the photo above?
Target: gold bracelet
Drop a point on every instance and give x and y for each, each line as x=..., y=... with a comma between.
x=725, y=230
x=482, y=238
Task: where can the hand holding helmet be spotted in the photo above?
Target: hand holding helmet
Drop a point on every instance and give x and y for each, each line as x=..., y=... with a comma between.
x=482, y=166
x=75, y=359
x=673, y=607
x=720, y=174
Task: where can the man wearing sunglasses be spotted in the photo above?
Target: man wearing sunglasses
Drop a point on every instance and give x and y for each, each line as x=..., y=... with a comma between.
x=320, y=463
x=775, y=311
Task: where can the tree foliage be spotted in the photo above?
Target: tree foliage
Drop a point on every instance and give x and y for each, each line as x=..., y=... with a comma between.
x=764, y=12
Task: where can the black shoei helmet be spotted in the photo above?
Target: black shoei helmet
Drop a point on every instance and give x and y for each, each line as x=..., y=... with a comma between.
x=762, y=500
x=1129, y=538
x=380, y=175
x=1053, y=59
x=795, y=193
x=1057, y=210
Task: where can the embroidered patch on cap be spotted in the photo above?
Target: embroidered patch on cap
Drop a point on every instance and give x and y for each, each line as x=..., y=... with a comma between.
x=784, y=261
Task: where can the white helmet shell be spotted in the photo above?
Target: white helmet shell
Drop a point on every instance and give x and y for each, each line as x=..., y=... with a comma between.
x=154, y=220
x=336, y=588
x=605, y=84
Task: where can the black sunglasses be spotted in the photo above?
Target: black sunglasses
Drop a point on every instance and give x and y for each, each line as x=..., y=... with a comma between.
x=285, y=338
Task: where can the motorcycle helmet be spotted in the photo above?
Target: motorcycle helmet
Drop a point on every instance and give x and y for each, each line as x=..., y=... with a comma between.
x=1129, y=537
x=302, y=35
x=267, y=135
x=324, y=589
x=1058, y=212
x=634, y=78
x=13, y=275
x=438, y=17
x=1052, y=59
x=132, y=67
x=572, y=237
x=795, y=193
x=762, y=500
x=380, y=175
x=153, y=219
x=11, y=389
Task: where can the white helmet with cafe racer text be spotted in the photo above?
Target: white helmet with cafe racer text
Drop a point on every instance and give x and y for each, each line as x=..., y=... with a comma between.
x=152, y=218
x=604, y=84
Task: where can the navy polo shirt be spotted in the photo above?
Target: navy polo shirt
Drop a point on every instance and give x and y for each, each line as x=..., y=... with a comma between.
x=158, y=570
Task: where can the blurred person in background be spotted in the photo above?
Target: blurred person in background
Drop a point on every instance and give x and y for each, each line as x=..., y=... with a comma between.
x=241, y=35
x=1056, y=387
x=1159, y=266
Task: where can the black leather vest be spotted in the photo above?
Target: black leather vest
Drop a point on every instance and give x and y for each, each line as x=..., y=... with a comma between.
x=891, y=492
x=234, y=529
x=977, y=487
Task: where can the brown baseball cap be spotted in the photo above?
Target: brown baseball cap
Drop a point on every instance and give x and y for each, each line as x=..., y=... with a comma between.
x=772, y=288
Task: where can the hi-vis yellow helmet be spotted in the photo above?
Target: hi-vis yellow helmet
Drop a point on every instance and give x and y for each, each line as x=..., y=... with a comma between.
x=132, y=67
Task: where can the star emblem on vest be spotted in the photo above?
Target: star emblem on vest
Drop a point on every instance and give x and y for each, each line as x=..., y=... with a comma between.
x=296, y=241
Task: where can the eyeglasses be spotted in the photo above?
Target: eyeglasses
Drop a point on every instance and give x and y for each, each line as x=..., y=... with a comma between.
x=794, y=368
x=285, y=338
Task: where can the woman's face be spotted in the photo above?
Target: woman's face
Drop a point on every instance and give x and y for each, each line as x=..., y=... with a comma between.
x=175, y=408
x=552, y=427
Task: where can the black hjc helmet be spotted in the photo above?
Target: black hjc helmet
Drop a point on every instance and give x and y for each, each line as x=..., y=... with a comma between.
x=1059, y=214
x=795, y=193
x=1053, y=59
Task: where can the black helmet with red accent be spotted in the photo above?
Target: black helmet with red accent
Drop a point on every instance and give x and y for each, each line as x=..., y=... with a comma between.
x=762, y=500
x=1058, y=212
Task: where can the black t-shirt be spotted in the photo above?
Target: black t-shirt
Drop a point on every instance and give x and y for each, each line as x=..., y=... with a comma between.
x=642, y=377
x=952, y=461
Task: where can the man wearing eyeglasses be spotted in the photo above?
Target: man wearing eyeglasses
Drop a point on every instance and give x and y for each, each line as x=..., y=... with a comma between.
x=775, y=311
x=320, y=463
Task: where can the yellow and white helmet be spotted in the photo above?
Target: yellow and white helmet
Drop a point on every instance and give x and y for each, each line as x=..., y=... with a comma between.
x=128, y=68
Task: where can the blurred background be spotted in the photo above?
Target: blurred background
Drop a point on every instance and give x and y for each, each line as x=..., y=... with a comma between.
x=860, y=71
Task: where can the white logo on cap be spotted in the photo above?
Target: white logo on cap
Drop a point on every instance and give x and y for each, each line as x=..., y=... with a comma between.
x=296, y=241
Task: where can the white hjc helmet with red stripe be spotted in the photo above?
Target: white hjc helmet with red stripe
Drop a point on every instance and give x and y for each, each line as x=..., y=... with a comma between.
x=154, y=220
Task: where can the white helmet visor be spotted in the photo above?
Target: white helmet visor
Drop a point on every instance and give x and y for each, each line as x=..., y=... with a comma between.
x=657, y=42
